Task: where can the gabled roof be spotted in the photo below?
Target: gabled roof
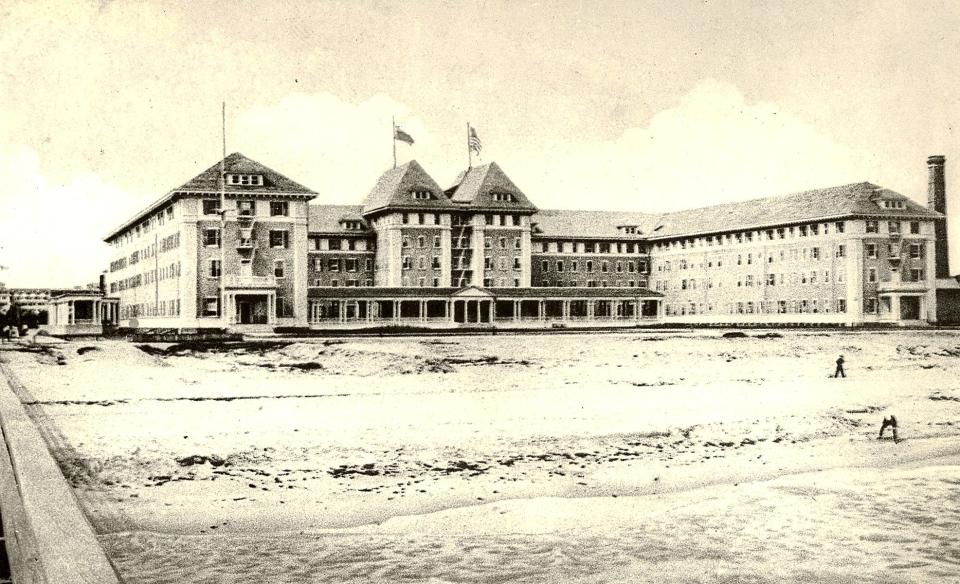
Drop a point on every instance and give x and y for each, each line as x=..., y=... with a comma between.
x=330, y=218
x=209, y=181
x=236, y=163
x=395, y=188
x=852, y=200
x=590, y=224
x=476, y=188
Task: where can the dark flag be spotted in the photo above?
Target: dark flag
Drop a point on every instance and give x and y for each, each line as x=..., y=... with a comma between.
x=399, y=134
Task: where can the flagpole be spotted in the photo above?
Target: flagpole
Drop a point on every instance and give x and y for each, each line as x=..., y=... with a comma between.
x=469, y=152
x=393, y=138
x=221, y=308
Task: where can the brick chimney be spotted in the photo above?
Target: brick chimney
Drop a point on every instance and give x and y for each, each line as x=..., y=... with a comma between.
x=937, y=201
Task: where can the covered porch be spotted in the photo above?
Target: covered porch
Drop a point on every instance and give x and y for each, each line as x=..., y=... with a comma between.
x=81, y=313
x=473, y=306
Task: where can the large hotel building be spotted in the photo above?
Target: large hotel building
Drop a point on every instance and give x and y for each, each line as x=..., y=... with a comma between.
x=241, y=247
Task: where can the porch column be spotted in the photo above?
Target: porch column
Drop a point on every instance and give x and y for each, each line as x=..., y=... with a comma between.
x=450, y=307
x=491, y=308
x=542, y=310
x=423, y=311
x=516, y=311
x=70, y=316
x=566, y=310
x=637, y=309
x=478, y=311
x=591, y=309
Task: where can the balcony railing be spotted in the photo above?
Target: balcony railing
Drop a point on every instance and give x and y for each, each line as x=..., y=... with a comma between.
x=235, y=281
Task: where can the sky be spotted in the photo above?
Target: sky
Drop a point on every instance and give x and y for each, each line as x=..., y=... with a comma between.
x=641, y=106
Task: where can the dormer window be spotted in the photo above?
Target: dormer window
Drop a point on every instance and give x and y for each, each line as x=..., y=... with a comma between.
x=628, y=229
x=503, y=197
x=892, y=204
x=353, y=225
x=245, y=180
x=421, y=195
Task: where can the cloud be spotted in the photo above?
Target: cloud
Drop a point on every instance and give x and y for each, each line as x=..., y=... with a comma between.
x=331, y=146
x=712, y=147
x=50, y=234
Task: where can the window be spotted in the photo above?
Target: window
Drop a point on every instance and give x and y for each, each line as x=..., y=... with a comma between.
x=872, y=275
x=516, y=243
x=915, y=227
x=280, y=209
x=350, y=265
x=487, y=243
x=872, y=227
x=246, y=208
x=870, y=305
x=421, y=195
x=841, y=305
x=278, y=267
x=211, y=238
x=916, y=275
x=560, y=266
x=421, y=263
x=502, y=197
x=421, y=242
x=405, y=242
x=436, y=241
x=516, y=263
x=841, y=251
x=815, y=253
x=254, y=180
x=333, y=265
x=590, y=265
x=368, y=265
x=893, y=227
x=916, y=250
x=840, y=226
x=211, y=306
x=279, y=238
x=871, y=250
x=503, y=243
x=214, y=269
x=604, y=267
x=211, y=206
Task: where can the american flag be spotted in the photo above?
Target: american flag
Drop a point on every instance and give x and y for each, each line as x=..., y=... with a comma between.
x=474, y=141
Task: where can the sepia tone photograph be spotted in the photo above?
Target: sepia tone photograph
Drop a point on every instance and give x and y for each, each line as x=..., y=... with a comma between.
x=375, y=291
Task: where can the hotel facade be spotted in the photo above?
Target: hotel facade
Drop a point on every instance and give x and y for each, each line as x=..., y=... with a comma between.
x=241, y=247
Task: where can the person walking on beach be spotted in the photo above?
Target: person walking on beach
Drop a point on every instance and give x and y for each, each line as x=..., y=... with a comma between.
x=839, y=372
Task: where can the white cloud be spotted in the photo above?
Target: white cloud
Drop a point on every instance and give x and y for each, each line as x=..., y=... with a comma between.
x=50, y=234
x=331, y=146
x=712, y=147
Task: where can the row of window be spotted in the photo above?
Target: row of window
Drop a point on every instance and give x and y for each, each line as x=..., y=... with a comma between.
x=594, y=283
x=911, y=275
x=148, y=309
x=342, y=244
x=171, y=270
x=588, y=247
x=914, y=250
x=800, y=306
x=214, y=268
x=279, y=238
x=247, y=208
x=574, y=265
x=146, y=226
x=808, y=230
x=792, y=254
x=345, y=264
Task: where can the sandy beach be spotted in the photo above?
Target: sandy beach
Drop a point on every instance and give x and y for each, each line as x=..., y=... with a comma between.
x=642, y=456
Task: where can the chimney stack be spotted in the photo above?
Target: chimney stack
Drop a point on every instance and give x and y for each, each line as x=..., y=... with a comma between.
x=937, y=201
